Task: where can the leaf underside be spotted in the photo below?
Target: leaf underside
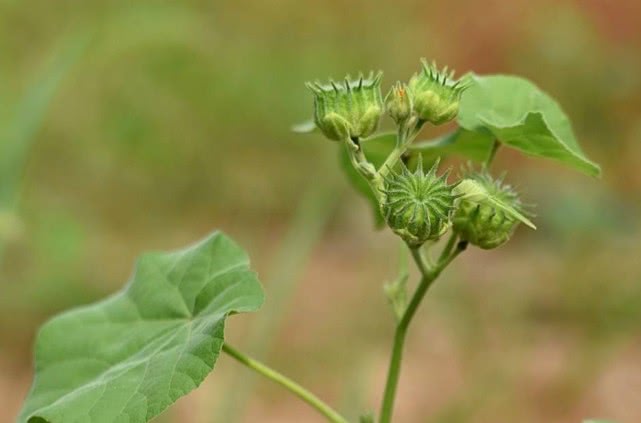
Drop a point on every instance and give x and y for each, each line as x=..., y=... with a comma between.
x=460, y=142
x=130, y=356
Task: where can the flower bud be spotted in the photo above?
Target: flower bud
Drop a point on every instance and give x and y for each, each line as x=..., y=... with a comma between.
x=435, y=95
x=398, y=103
x=417, y=206
x=349, y=110
x=487, y=212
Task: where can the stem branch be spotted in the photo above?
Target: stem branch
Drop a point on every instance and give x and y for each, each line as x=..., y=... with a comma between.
x=428, y=276
x=403, y=140
x=492, y=154
x=447, y=250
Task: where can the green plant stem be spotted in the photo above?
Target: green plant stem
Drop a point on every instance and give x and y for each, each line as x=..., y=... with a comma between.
x=447, y=250
x=403, y=140
x=428, y=276
x=362, y=165
x=395, y=155
x=287, y=383
x=490, y=158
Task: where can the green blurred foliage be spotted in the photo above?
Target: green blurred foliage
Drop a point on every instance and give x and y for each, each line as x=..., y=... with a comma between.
x=175, y=119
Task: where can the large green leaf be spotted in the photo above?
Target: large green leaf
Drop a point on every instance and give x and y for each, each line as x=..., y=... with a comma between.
x=129, y=357
x=376, y=149
x=520, y=115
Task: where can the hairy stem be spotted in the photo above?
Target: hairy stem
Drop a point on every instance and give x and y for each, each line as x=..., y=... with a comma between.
x=396, y=154
x=287, y=383
x=428, y=276
x=362, y=165
x=447, y=250
x=403, y=140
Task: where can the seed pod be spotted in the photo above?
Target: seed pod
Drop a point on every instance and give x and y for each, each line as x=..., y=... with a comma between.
x=435, y=94
x=417, y=206
x=398, y=103
x=348, y=110
x=488, y=211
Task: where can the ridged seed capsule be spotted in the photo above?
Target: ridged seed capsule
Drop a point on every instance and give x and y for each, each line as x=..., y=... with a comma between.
x=351, y=109
x=485, y=214
x=435, y=94
x=417, y=206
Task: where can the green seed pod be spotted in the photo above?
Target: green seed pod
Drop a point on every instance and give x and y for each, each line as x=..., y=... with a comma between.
x=398, y=103
x=349, y=110
x=417, y=206
x=435, y=94
x=487, y=212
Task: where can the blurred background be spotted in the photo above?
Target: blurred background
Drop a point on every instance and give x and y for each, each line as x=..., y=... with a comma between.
x=132, y=126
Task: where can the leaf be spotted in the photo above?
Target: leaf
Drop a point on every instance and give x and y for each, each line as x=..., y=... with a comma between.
x=473, y=145
x=306, y=127
x=130, y=356
x=520, y=115
x=376, y=149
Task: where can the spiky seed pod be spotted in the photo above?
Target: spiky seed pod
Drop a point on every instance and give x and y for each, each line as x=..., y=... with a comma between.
x=350, y=109
x=417, y=206
x=398, y=103
x=478, y=219
x=435, y=94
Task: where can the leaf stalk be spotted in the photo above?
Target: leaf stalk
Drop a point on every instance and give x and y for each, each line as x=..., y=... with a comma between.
x=271, y=374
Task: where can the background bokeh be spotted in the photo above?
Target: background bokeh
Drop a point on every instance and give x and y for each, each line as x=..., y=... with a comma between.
x=129, y=126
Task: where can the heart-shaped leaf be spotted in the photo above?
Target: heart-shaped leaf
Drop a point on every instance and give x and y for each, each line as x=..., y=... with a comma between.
x=520, y=115
x=127, y=358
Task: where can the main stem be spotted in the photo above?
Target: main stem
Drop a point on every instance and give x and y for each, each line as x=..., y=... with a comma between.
x=404, y=137
x=287, y=383
x=428, y=276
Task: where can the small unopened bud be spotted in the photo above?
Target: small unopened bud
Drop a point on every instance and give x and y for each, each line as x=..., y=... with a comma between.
x=348, y=110
x=488, y=211
x=398, y=103
x=417, y=206
x=435, y=94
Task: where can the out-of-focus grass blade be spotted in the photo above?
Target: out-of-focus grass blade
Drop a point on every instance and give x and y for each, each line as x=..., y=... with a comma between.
x=17, y=137
x=27, y=117
x=303, y=233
